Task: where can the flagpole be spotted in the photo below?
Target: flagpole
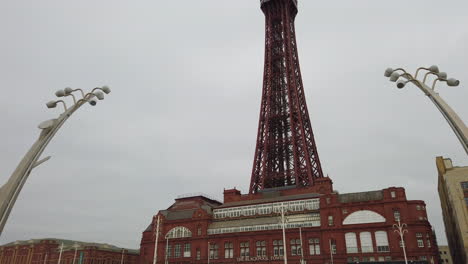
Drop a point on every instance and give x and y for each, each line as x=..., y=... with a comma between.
x=74, y=256
x=285, y=251
x=156, y=243
x=167, y=245
x=302, y=248
x=122, y=259
x=208, y=252
x=331, y=251
x=60, y=255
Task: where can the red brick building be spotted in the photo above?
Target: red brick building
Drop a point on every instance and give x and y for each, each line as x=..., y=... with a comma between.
x=47, y=251
x=355, y=227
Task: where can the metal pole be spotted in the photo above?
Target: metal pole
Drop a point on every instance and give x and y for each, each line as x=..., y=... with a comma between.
x=455, y=122
x=167, y=250
x=74, y=256
x=400, y=229
x=302, y=248
x=45, y=259
x=156, y=243
x=331, y=251
x=121, y=260
x=284, y=236
x=60, y=254
x=208, y=252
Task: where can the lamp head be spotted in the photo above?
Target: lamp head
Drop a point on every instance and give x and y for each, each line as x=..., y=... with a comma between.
x=60, y=93
x=92, y=101
x=394, y=76
x=400, y=84
x=434, y=69
x=68, y=90
x=51, y=104
x=106, y=89
x=99, y=95
x=453, y=82
x=442, y=75
x=388, y=72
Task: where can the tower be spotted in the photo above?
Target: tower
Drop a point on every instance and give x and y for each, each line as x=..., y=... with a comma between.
x=285, y=153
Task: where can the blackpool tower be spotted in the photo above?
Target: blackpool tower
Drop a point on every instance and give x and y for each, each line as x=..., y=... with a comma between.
x=285, y=153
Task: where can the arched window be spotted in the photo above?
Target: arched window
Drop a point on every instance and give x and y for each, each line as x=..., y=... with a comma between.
x=178, y=232
x=351, y=243
x=363, y=217
x=366, y=242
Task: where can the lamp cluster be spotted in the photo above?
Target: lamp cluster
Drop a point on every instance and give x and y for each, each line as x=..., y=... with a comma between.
x=395, y=74
x=91, y=97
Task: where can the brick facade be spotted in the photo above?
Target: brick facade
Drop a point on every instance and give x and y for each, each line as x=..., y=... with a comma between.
x=367, y=214
x=47, y=251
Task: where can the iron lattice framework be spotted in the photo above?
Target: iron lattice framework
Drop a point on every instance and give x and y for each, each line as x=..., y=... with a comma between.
x=285, y=154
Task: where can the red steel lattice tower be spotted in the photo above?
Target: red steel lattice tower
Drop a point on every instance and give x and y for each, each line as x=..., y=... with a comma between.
x=285, y=154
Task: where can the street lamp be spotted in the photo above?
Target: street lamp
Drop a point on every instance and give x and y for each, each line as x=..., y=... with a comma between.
x=455, y=122
x=10, y=190
x=401, y=229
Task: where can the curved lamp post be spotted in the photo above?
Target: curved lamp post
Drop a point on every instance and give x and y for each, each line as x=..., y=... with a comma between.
x=10, y=190
x=455, y=122
x=401, y=229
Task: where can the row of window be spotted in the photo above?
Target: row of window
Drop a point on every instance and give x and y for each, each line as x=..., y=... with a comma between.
x=381, y=240
x=265, y=209
x=295, y=221
x=177, y=252
x=261, y=248
x=420, y=240
x=366, y=246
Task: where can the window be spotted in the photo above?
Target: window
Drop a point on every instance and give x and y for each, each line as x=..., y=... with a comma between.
x=366, y=242
x=381, y=240
x=418, y=207
x=198, y=254
x=278, y=249
x=422, y=258
x=333, y=246
x=314, y=246
x=177, y=251
x=179, y=232
x=228, y=250
x=244, y=249
x=363, y=217
x=213, y=250
x=328, y=200
x=261, y=248
x=169, y=251
x=428, y=243
x=400, y=242
x=187, y=251
x=388, y=258
x=419, y=240
x=199, y=231
x=351, y=243
x=464, y=185
x=330, y=220
x=393, y=194
x=295, y=247
x=396, y=215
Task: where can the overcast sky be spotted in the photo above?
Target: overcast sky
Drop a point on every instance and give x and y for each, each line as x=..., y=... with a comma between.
x=183, y=113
